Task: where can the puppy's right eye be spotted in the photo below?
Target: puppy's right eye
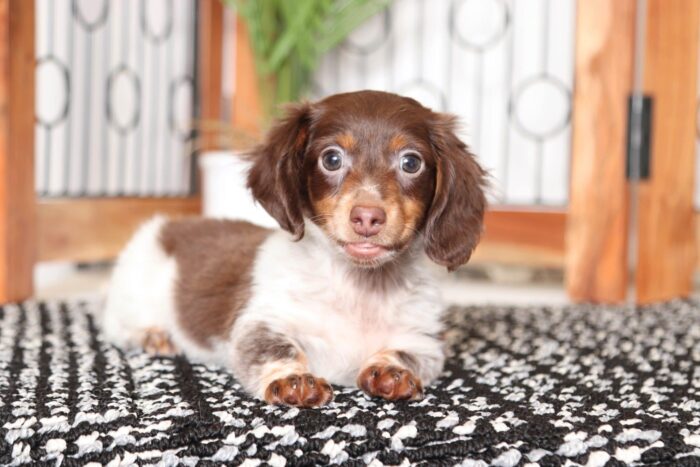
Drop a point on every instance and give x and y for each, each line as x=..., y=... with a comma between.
x=332, y=160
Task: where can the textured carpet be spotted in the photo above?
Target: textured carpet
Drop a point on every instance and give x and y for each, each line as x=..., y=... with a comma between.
x=588, y=385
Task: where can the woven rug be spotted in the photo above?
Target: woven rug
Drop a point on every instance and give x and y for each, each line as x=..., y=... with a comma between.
x=587, y=385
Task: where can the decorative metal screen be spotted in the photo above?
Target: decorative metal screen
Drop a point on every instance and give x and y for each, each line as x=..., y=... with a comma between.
x=115, y=83
x=505, y=67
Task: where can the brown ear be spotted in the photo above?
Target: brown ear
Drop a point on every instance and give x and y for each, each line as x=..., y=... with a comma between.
x=455, y=219
x=275, y=175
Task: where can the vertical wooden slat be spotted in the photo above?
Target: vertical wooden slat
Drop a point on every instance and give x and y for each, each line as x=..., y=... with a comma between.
x=247, y=109
x=210, y=41
x=17, y=198
x=596, y=258
x=666, y=244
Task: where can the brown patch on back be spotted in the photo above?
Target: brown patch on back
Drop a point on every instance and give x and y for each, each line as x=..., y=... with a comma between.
x=214, y=261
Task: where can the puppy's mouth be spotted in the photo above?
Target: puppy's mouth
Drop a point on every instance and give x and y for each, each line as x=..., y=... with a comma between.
x=365, y=251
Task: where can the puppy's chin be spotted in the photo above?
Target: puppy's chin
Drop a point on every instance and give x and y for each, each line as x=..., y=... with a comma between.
x=359, y=253
x=368, y=254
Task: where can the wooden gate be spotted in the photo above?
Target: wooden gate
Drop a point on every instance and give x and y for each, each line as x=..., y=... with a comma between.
x=590, y=239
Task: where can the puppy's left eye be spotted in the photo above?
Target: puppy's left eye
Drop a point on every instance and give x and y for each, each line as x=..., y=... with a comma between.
x=410, y=163
x=332, y=160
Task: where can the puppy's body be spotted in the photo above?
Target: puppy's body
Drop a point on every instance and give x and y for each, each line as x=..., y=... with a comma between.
x=302, y=290
x=365, y=183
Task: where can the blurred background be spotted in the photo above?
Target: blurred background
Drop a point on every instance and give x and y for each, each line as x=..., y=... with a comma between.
x=584, y=112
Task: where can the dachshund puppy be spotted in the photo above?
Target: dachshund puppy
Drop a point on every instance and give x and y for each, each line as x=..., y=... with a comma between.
x=362, y=185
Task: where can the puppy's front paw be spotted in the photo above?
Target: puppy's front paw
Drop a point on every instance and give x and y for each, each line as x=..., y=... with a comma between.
x=390, y=382
x=299, y=391
x=157, y=342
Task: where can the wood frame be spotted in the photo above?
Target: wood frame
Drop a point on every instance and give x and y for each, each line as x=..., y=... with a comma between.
x=72, y=229
x=590, y=239
x=90, y=229
x=666, y=219
x=519, y=236
x=94, y=229
x=17, y=198
x=596, y=259
x=210, y=42
x=246, y=113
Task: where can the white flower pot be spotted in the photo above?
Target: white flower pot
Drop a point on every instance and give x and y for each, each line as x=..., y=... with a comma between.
x=224, y=191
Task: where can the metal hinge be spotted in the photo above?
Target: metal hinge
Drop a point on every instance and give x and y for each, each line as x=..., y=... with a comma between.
x=639, y=117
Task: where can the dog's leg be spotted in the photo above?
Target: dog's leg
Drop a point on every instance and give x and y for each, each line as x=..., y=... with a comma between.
x=273, y=367
x=396, y=374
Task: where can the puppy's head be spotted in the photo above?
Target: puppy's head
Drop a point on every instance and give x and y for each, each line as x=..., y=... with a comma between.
x=375, y=171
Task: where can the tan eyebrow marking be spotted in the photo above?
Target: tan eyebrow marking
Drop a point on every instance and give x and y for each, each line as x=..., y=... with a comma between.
x=347, y=141
x=397, y=142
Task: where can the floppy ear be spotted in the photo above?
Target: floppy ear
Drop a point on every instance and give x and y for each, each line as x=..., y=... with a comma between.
x=275, y=175
x=455, y=218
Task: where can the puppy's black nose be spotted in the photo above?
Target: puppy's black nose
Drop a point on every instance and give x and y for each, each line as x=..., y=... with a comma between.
x=367, y=221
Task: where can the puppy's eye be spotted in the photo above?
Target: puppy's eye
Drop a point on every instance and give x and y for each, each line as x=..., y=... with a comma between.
x=332, y=160
x=410, y=163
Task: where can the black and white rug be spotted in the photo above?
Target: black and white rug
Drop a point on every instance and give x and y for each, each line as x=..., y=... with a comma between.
x=539, y=386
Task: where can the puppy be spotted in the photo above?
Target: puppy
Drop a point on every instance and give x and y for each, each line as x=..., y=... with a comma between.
x=362, y=185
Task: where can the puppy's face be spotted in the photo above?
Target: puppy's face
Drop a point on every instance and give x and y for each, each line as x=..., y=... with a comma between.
x=370, y=175
x=375, y=171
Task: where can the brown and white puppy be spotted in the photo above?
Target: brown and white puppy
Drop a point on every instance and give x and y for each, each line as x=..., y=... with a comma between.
x=364, y=182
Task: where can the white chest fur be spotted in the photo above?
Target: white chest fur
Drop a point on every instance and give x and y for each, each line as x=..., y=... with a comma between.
x=306, y=291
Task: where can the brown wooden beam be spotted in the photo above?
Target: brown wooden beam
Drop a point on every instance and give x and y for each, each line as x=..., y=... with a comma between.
x=210, y=38
x=596, y=257
x=247, y=111
x=666, y=238
x=522, y=237
x=697, y=240
x=97, y=229
x=17, y=198
x=86, y=229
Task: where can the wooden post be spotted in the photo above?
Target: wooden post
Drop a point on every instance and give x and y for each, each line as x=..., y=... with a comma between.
x=17, y=198
x=666, y=243
x=211, y=23
x=596, y=262
x=247, y=109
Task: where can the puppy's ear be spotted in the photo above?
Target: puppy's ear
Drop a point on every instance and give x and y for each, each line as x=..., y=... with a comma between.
x=455, y=218
x=275, y=174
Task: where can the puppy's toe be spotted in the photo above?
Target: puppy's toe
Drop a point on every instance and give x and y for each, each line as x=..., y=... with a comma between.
x=157, y=342
x=299, y=391
x=390, y=382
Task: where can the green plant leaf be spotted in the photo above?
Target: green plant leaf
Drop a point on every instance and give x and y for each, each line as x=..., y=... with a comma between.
x=289, y=37
x=293, y=32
